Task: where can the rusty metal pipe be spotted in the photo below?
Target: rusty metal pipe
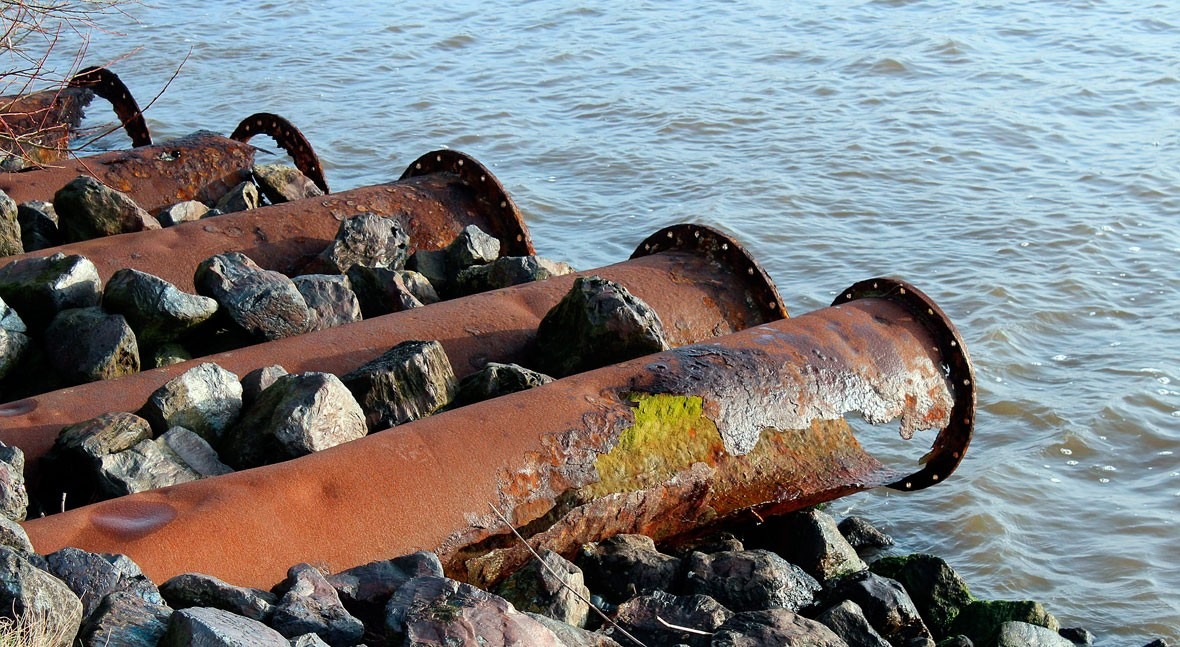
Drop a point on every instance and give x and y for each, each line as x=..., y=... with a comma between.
x=662, y=445
x=438, y=195
x=701, y=282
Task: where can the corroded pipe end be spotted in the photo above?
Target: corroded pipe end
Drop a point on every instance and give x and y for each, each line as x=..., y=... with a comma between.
x=721, y=248
x=501, y=211
x=109, y=86
x=952, y=441
x=289, y=138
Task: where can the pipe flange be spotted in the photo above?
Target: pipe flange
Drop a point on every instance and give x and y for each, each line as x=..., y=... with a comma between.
x=720, y=247
x=952, y=441
x=501, y=211
x=289, y=138
x=109, y=86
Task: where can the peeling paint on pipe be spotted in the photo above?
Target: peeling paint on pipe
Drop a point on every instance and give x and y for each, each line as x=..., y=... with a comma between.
x=538, y=455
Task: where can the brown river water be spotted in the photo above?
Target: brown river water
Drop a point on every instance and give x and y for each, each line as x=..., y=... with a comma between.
x=1018, y=161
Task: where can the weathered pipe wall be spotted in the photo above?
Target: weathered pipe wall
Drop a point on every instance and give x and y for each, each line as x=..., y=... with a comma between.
x=662, y=445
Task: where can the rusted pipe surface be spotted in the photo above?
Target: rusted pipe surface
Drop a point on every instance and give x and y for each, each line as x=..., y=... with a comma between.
x=697, y=293
x=450, y=192
x=662, y=445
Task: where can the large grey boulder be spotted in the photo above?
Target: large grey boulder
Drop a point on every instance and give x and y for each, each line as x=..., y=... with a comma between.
x=242, y=197
x=496, y=379
x=77, y=454
x=409, y=381
x=750, y=580
x=86, y=208
x=258, y=380
x=14, y=498
x=571, y=636
x=1023, y=634
x=382, y=290
x=155, y=309
x=505, y=272
x=186, y=211
x=330, y=300
x=811, y=540
x=283, y=183
x=309, y=604
x=40, y=287
x=205, y=627
x=124, y=619
x=552, y=587
x=623, y=566
x=13, y=340
x=205, y=399
x=367, y=240
x=33, y=596
x=13, y=535
x=264, y=304
x=472, y=247
x=177, y=456
x=10, y=232
x=38, y=225
x=935, y=588
x=197, y=590
x=413, y=616
x=886, y=605
x=365, y=590
x=647, y=618
x=92, y=576
x=848, y=621
x=774, y=627
x=299, y=414
x=89, y=344
x=861, y=534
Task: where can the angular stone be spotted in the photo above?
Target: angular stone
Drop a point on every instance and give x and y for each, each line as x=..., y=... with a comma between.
x=1022, y=634
x=168, y=354
x=282, y=183
x=100, y=346
x=980, y=621
x=1077, y=635
x=39, y=288
x=124, y=619
x=495, y=380
x=441, y=611
x=196, y=590
x=598, y=322
x=92, y=576
x=14, y=499
x=30, y=594
x=367, y=240
x=505, y=272
x=811, y=540
x=186, y=211
x=886, y=605
x=309, y=604
x=10, y=320
x=936, y=589
x=177, y=456
x=774, y=627
x=217, y=628
x=86, y=208
x=330, y=300
x=308, y=640
x=432, y=264
x=108, y=433
x=12, y=350
x=571, y=636
x=38, y=225
x=859, y=533
x=365, y=590
x=254, y=382
x=205, y=399
x=242, y=197
x=382, y=290
x=555, y=588
x=624, y=566
x=472, y=247
x=155, y=309
x=848, y=622
x=645, y=616
x=750, y=580
x=263, y=303
x=409, y=381
x=10, y=232
x=299, y=414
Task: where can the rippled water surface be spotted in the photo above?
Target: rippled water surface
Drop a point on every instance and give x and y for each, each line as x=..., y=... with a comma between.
x=1018, y=161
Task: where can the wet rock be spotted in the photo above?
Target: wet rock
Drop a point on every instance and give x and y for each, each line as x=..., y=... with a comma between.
x=38, y=225
x=186, y=211
x=196, y=590
x=645, y=616
x=86, y=208
x=750, y=580
x=886, y=605
x=309, y=604
x=598, y=322
x=124, y=619
x=299, y=414
x=155, y=309
x=774, y=627
x=382, y=290
x=555, y=588
x=435, y=610
x=571, y=636
x=177, y=456
x=365, y=590
x=218, y=628
x=623, y=566
x=811, y=540
x=495, y=380
x=242, y=197
x=14, y=499
x=366, y=240
x=330, y=300
x=859, y=533
x=254, y=382
x=936, y=589
x=980, y=621
x=1022, y=634
x=88, y=344
x=472, y=247
x=92, y=576
x=1077, y=635
x=39, y=288
x=205, y=399
x=262, y=303
x=505, y=272
x=13, y=535
x=848, y=622
x=167, y=355
x=409, y=381
x=1158, y=642
x=282, y=183
x=36, y=596
x=10, y=231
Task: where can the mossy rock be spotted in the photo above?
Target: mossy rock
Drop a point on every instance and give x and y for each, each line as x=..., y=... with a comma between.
x=980, y=621
x=936, y=589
